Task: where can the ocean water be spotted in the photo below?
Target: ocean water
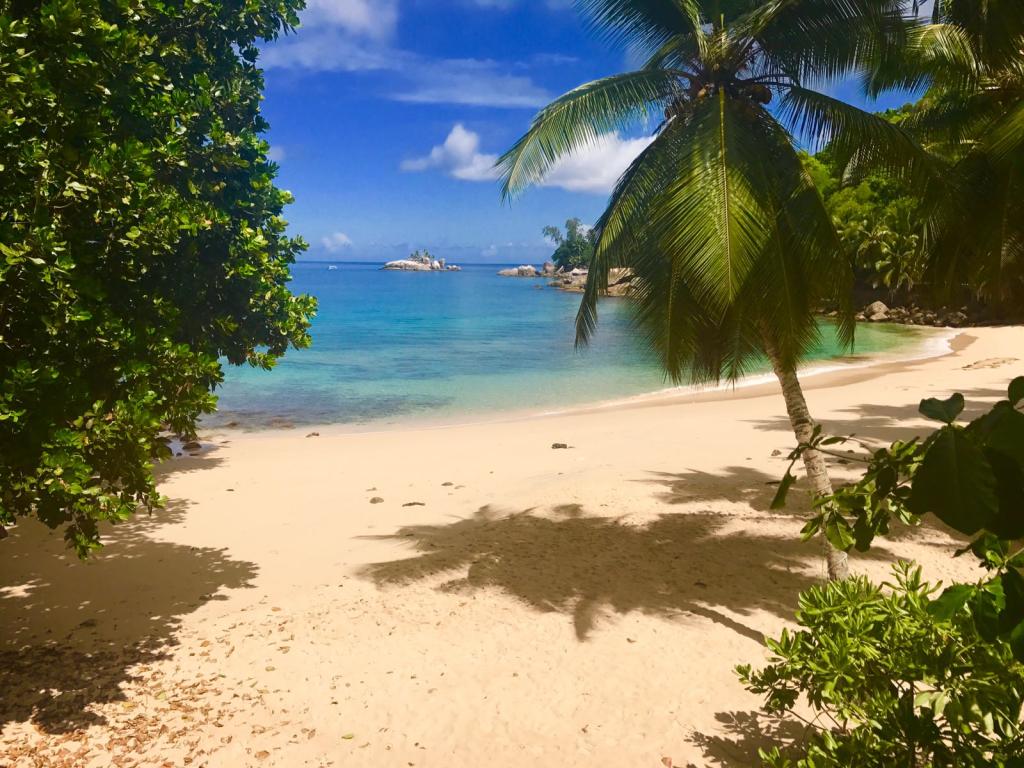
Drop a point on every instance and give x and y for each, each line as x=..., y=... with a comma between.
x=396, y=346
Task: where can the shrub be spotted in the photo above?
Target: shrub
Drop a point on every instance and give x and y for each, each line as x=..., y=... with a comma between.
x=141, y=241
x=892, y=677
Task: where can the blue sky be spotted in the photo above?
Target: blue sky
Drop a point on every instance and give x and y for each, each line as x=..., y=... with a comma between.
x=386, y=116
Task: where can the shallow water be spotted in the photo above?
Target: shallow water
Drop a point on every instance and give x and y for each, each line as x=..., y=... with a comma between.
x=393, y=346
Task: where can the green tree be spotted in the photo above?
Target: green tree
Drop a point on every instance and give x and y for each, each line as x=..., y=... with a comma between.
x=971, y=118
x=899, y=676
x=573, y=249
x=731, y=248
x=140, y=241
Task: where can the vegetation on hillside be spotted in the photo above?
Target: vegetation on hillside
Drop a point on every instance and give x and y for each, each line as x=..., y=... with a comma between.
x=141, y=241
x=970, y=120
x=575, y=248
x=879, y=222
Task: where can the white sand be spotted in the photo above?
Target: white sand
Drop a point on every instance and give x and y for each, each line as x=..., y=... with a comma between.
x=546, y=608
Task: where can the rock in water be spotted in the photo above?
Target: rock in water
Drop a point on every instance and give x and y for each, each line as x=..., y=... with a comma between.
x=876, y=311
x=526, y=270
x=407, y=265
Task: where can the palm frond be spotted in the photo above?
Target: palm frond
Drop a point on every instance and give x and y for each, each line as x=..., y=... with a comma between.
x=622, y=230
x=726, y=236
x=579, y=118
x=995, y=26
x=825, y=39
x=931, y=51
x=1005, y=137
x=641, y=24
x=974, y=240
x=856, y=136
x=711, y=217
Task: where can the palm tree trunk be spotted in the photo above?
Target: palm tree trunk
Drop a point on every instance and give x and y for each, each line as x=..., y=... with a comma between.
x=814, y=462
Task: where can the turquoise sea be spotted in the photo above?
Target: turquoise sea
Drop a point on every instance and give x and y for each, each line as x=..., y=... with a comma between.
x=395, y=346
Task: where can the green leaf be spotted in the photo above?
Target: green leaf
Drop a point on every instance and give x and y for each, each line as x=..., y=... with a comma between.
x=986, y=605
x=863, y=533
x=1006, y=432
x=955, y=483
x=1015, y=392
x=834, y=440
x=1012, y=614
x=951, y=601
x=779, y=501
x=1016, y=641
x=1008, y=522
x=838, y=532
x=943, y=410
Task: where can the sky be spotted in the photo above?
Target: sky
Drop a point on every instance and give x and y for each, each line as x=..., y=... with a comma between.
x=387, y=115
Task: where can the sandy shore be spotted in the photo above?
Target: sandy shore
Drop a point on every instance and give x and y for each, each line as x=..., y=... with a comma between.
x=505, y=604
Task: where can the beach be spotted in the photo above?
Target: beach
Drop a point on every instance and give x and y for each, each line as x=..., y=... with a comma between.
x=504, y=603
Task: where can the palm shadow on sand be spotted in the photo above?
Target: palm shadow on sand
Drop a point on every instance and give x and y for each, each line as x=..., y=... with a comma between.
x=586, y=566
x=74, y=632
x=888, y=423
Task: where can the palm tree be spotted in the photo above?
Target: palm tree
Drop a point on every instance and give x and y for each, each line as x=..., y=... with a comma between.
x=730, y=245
x=972, y=119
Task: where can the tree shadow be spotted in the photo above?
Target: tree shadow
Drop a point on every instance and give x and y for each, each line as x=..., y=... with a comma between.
x=741, y=485
x=187, y=464
x=888, y=423
x=746, y=733
x=74, y=632
x=586, y=566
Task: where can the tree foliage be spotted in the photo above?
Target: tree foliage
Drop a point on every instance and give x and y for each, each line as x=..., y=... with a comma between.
x=892, y=677
x=574, y=248
x=730, y=247
x=141, y=241
x=729, y=243
x=878, y=221
x=929, y=680
x=971, y=121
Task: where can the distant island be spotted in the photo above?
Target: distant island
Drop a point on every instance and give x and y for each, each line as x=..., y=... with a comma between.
x=421, y=261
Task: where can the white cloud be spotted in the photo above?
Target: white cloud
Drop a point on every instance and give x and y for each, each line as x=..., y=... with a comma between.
x=336, y=241
x=329, y=49
x=594, y=169
x=473, y=82
x=355, y=36
x=276, y=153
x=423, y=80
x=369, y=18
x=339, y=35
x=459, y=156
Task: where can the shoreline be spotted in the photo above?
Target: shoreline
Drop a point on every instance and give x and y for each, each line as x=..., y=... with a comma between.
x=934, y=343
x=427, y=596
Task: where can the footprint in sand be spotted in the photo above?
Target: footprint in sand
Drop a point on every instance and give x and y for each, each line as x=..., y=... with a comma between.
x=991, y=362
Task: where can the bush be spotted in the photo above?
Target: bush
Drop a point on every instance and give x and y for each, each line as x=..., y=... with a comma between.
x=893, y=678
x=140, y=241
